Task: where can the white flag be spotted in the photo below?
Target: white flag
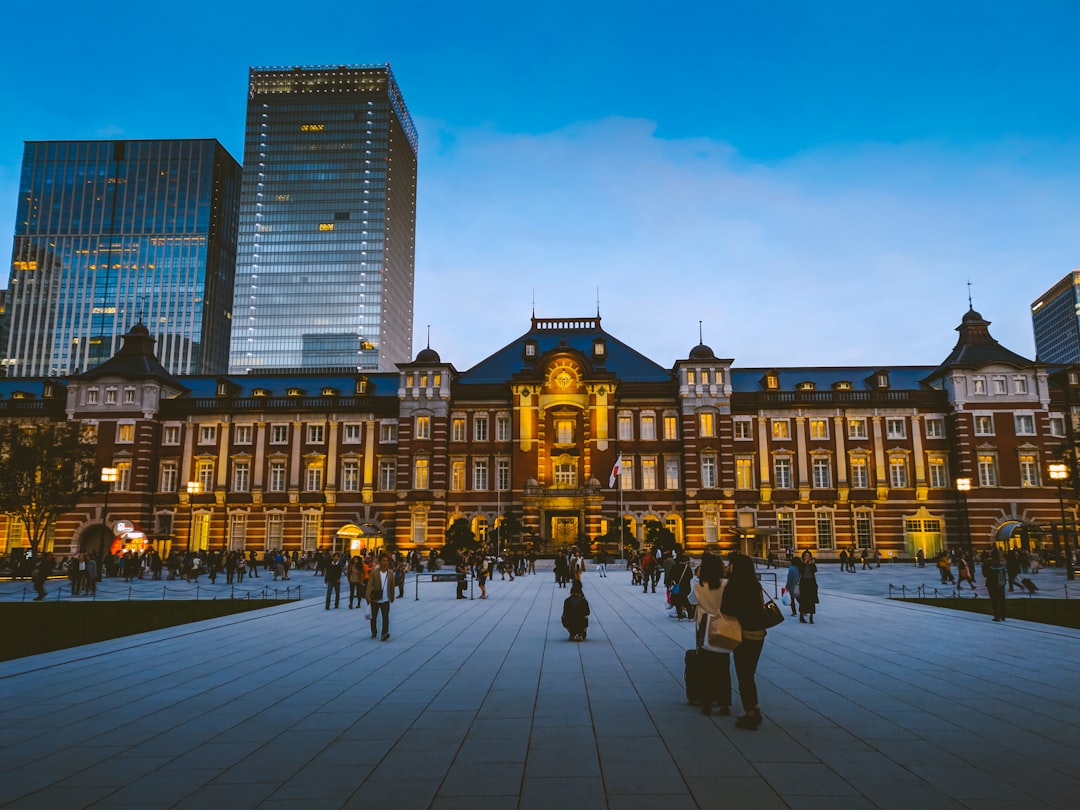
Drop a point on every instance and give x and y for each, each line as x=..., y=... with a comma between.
x=616, y=471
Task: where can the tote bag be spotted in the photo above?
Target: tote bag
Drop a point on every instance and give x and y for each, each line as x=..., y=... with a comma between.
x=722, y=633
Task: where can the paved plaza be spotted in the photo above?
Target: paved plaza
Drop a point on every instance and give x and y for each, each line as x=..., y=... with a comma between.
x=484, y=703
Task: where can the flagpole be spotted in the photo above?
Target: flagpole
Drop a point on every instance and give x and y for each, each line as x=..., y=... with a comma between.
x=622, y=523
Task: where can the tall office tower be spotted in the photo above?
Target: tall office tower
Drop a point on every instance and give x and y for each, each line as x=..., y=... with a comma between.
x=1055, y=317
x=110, y=233
x=327, y=222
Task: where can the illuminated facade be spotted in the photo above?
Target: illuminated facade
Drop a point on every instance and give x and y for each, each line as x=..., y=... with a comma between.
x=758, y=459
x=327, y=222
x=1055, y=319
x=110, y=233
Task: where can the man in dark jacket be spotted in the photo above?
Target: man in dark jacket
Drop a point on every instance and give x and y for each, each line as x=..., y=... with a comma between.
x=332, y=578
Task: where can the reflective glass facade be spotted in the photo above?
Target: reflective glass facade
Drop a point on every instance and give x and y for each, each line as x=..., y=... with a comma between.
x=327, y=222
x=111, y=233
x=1055, y=319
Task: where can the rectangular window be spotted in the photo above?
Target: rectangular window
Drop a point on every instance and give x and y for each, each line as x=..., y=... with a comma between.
x=353, y=433
x=1029, y=470
x=819, y=429
x=276, y=480
x=743, y=429
x=502, y=475
x=1025, y=424
x=315, y=434
x=204, y=474
x=275, y=530
x=565, y=474
x=999, y=385
x=708, y=472
x=419, y=527
x=937, y=472
x=242, y=434
x=744, y=472
x=125, y=433
x=988, y=476
x=781, y=429
x=350, y=476
x=895, y=427
x=207, y=434
x=170, y=435
x=92, y=396
x=935, y=427
x=648, y=472
x=864, y=529
x=648, y=427
x=785, y=529
x=238, y=522
x=241, y=476
x=626, y=427
x=564, y=431
x=387, y=475
x=423, y=427
x=898, y=477
x=984, y=425
x=387, y=432
x=421, y=467
x=782, y=472
x=129, y=396
x=671, y=473
x=310, y=530
x=110, y=396
x=822, y=473
x=480, y=427
x=279, y=434
x=1020, y=385
x=626, y=473
x=671, y=427
x=707, y=424
x=457, y=475
x=457, y=429
x=313, y=476
x=823, y=522
x=169, y=476
x=978, y=385
x=860, y=473
x=503, y=432
x=856, y=428
x=1057, y=425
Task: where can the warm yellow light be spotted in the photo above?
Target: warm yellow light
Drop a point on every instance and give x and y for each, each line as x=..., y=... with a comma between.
x=109, y=475
x=1058, y=472
x=963, y=484
x=194, y=487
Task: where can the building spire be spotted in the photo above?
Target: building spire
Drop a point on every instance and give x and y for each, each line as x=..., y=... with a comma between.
x=970, y=307
x=429, y=335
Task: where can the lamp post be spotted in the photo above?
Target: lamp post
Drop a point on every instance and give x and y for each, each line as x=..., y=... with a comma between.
x=963, y=486
x=193, y=489
x=109, y=476
x=1058, y=473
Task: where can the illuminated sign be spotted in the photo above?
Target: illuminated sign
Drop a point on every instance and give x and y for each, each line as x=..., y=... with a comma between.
x=312, y=127
x=326, y=226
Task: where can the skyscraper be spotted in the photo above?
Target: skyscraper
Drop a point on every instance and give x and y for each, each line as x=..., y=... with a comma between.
x=1055, y=317
x=327, y=222
x=110, y=233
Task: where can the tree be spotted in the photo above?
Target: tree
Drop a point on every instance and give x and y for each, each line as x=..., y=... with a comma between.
x=657, y=535
x=460, y=541
x=45, y=471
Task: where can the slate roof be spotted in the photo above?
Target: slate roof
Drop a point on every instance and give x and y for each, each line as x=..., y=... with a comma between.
x=135, y=361
x=904, y=378
x=244, y=385
x=975, y=348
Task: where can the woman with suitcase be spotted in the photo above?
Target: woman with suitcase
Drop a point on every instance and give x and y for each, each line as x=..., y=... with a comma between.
x=708, y=672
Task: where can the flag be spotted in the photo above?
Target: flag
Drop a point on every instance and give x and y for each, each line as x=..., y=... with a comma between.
x=615, y=471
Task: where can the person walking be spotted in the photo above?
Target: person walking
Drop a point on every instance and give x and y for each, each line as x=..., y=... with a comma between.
x=380, y=594
x=482, y=574
x=679, y=581
x=742, y=599
x=808, y=587
x=601, y=562
x=715, y=680
x=794, y=572
x=575, y=615
x=963, y=573
x=42, y=571
x=332, y=578
x=562, y=570
x=993, y=571
x=357, y=580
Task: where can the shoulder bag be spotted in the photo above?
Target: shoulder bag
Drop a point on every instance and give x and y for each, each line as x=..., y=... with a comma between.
x=773, y=614
x=722, y=633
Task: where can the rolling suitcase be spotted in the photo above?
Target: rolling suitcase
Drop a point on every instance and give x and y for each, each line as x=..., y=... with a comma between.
x=1029, y=586
x=708, y=675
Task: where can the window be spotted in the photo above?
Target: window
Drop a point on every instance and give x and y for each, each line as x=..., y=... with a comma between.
x=204, y=474
x=315, y=434
x=743, y=428
x=313, y=475
x=822, y=475
x=648, y=472
x=999, y=385
x=125, y=433
x=110, y=396
x=864, y=529
x=564, y=431
x=984, y=425
x=978, y=385
x=856, y=428
x=170, y=435
x=819, y=429
x=626, y=427
x=275, y=530
x=823, y=523
x=276, y=480
x=860, y=472
x=782, y=472
x=708, y=472
x=129, y=396
x=238, y=531
x=457, y=429
x=565, y=473
x=503, y=431
x=937, y=472
x=207, y=434
x=781, y=429
x=480, y=427
x=671, y=473
x=421, y=467
x=241, y=476
x=898, y=475
x=626, y=473
x=310, y=530
x=711, y=526
x=350, y=475
x=169, y=477
x=671, y=427
x=480, y=474
x=987, y=463
x=648, y=427
x=502, y=474
x=707, y=424
x=92, y=396
x=895, y=427
x=1029, y=470
x=353, y=433
x=1025, y=424
x=387, y=432
x=423, y=427
x=785, y=529
x=744, y=472
x=457, y=475
x=935, y=427
x=419, y=527
x=387, y=475
x=279, y=434
x=1020, y=385
x=1057, y=425
x=242, y=434
x=691, y=376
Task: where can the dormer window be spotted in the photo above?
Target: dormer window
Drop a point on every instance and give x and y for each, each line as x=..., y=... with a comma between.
x=294, y=392
x=49, y=391
x=599, y=349
x=222, y=389
x=362, y=386
x=772, y=382
x=260, y=392
x=805, y=386
x=329, y=392
x=842, y=385
x=882, y=379
x=530, y=348
x=20, y=395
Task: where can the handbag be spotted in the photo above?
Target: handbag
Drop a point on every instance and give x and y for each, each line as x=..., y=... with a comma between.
x=773, y=614
x=722, y=633
x=376, y=595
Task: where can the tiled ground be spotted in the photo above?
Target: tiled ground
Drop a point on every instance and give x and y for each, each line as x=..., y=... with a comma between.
x=485, y=703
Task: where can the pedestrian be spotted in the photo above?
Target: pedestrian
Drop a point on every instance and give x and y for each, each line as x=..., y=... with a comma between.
x=462, y=569
x=332, y=578
x=993, y=571
x=601, y=562
x=380, y=594
x=715, y=666
x=679, y=582
x=91, y=575
x=562, y=570
x=791, y=587
x=1012, y=567
x=399, y=577
x=742, y=600
x=944, y=568
x=357, y=579
x=42, y=571
x=808, y=587
x=482, y=575
x=575, y=614
x=963, y=573
x=920, y=558
x=877, y=557
x=865, y=558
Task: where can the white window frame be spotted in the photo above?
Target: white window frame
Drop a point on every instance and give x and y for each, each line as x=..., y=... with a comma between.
x=743, y=428
x=780, y=429
x=169, y=476
x=242, y=434
x=503, y=428
x=125, y=432
x=935, y=427
x=388, y=432
x=1025, y=424
x=170, y=435
x=982, y=424
x=480, y=474
x=352, y=433
x=481, y=428
x=647, y=426
x=821, y=472
x=279, y=433
x=276, y=476
x=860, y=472
x=709, y=479
x=895, y=427
x=350, y=475
x=387, y=475
x=457, y=428
x=422, y=426
x=241, y=477
x=856, y=427
x=986, y=462
x=783, y=472
x=819, y=429
x=316, y=433
x=208, y=433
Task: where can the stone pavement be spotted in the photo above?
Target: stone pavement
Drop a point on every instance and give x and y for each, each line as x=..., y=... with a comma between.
x=485, y=703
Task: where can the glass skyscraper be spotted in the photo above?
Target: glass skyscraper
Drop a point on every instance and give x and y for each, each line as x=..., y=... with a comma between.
x=327, y=222
x=1055, y=319
x=111, y=233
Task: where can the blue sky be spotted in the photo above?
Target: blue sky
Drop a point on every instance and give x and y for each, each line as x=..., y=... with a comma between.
x=815, y=182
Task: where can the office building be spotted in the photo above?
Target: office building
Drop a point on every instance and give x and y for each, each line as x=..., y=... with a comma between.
x=327, y=222
x=110, y=233
x=1055, y=317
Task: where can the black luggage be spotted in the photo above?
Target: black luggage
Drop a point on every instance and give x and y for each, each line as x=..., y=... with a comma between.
x=1030, y=586
x=708, y=676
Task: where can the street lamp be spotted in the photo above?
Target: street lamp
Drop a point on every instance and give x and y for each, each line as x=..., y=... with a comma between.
x=963, y=486
x=109, y=476
x=1058, y=473
x=193, y=488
